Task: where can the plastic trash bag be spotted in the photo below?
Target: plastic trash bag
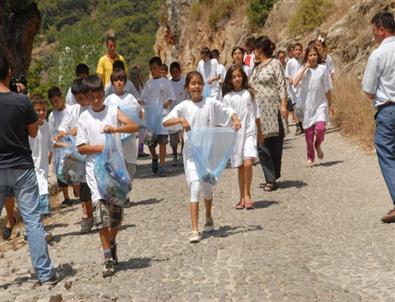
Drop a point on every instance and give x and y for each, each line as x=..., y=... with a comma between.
x=112, y=178
x=207, y=90
x=133, y=113
x=69, y=163
x=211, y=149
x=153, y=117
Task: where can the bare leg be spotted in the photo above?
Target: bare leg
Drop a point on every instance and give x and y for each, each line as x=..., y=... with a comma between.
x=194, y=211
x=105, y=238
x=65, y=192
x=162, y=154
x=208, y=204
x=241, y=182
x=152, y=150
x=113, y=233
x=247, y=179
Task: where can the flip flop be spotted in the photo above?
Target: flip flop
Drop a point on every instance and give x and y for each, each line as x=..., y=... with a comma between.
x=240, y=205
x=249, y=205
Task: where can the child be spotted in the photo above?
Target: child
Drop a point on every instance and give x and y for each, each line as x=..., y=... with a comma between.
x=198, y=112
x=164, y=70
x=119, y=98
x=55, y=119
x=41, y=147
x=292, y=68
x=240, y=97
x=158, y=91
x=325, y=57
x=92, y=126
x=178, y=83
x=249, y=59
x=237, y=57
x=69, y=126
x=81, y=72
x=315, y=86
x=208, y=68
x=221, y=72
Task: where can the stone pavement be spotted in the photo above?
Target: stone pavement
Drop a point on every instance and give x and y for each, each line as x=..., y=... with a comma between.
x=317, y=238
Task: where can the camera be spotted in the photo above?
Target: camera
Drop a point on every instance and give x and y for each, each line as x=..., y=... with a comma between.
x=20, y=79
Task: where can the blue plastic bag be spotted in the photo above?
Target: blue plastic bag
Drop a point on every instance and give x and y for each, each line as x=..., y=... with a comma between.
x=211, y=149
x=153, y=117
x=207, y=90
x=133, y=113
x=112, y=177
x=69, y=163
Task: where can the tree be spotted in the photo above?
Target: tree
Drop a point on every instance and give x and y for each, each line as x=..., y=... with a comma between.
x=20, y=21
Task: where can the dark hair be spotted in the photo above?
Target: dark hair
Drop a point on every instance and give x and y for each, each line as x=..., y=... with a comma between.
x=206, y=51
x=189, y=77
x=38, y=99
x=110, y=38
x=54, y=91
x=250, y=42
x=215, y=53
x=155, y=61
x=92, y=83
x=290, y=47
x=77, y=87
x=297, y=44
x=266, y=45
x=311, y=43
x=118, y=64
x=308, y=50
x=118, y=74
x=175, y=65
x=81, y=68
x=4, y=67
x=164, y=67
x=228, y=85
x=385, y=20
x=279, y=52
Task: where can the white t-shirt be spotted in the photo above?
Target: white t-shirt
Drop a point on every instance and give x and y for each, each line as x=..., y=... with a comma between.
x=129, y=147
x=156, y=91
x=181, y=95
x=41, y=145
x=246, y=137
x=55, y=119
x=129, y=88
x=315, y=83
x=90, y=132
x=70, y=99
x=208, y=70
x=207, y=113
x=71, y=118
x=293, y=66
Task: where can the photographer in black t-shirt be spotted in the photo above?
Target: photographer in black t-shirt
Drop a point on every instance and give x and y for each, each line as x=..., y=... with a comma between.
x=18, y=120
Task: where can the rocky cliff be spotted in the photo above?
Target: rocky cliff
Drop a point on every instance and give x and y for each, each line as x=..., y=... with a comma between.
x=347, y=29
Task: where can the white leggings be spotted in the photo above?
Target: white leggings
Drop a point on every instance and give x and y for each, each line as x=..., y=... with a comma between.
x=197, y=187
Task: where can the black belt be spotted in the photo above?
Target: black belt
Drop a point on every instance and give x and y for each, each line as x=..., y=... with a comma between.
x=389, y=103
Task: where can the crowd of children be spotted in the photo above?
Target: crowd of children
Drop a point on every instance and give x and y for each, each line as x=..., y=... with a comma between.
x=210, y=97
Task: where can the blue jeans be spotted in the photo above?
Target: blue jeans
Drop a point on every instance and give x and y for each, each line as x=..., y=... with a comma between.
x=23, y=183
x=385, y=145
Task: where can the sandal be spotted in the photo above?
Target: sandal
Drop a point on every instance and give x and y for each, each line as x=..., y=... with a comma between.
x=249, y=205
x=240, y=205
x=8, y=231
x=270, y=186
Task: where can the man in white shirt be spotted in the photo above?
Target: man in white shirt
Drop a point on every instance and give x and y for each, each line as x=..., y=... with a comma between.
x=379, y=84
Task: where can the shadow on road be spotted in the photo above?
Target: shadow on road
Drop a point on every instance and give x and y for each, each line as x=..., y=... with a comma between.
x=330, y=163
x=143, y=202
x=261, y=204
x=137, y=263
x=291, y=184
x=227, y=230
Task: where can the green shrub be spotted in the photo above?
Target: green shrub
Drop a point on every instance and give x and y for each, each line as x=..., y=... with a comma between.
x=196, y=11
x=221, y=12
x=258, y=11
x=309, y=14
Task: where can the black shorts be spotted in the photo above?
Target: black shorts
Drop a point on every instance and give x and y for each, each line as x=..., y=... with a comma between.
x=290, y=107
x=85, y=192
x=62, y=184
x=161, y=139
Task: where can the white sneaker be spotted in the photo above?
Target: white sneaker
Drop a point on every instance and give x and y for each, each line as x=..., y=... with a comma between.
x=209, y=226
x=194, y=237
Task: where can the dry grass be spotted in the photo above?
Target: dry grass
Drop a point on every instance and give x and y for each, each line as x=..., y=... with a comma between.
x=354, y=111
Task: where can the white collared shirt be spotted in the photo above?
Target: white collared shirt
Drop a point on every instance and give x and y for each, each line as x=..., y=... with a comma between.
x=379, y=76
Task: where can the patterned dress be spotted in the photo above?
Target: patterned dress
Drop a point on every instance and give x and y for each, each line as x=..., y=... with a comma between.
x=270, y=85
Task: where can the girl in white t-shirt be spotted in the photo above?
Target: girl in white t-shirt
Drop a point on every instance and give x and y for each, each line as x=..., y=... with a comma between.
x=237, y=57
x=315, y=86
x=240, y=97
x=198, y=112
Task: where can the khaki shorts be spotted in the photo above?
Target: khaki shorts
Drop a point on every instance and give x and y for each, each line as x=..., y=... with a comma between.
x=106, y=215
x=175, y=138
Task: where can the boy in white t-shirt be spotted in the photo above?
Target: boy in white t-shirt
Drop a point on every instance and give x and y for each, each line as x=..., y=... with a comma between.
x=69, y=126
x=121, y=98
x=41, y=147
x=81, y=72
x=291, y=70
x=158, y=91
x=59, y=112
x=92, y=126
x=178, y=83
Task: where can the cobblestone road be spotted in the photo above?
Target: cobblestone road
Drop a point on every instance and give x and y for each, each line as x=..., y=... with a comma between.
x=317, y=238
